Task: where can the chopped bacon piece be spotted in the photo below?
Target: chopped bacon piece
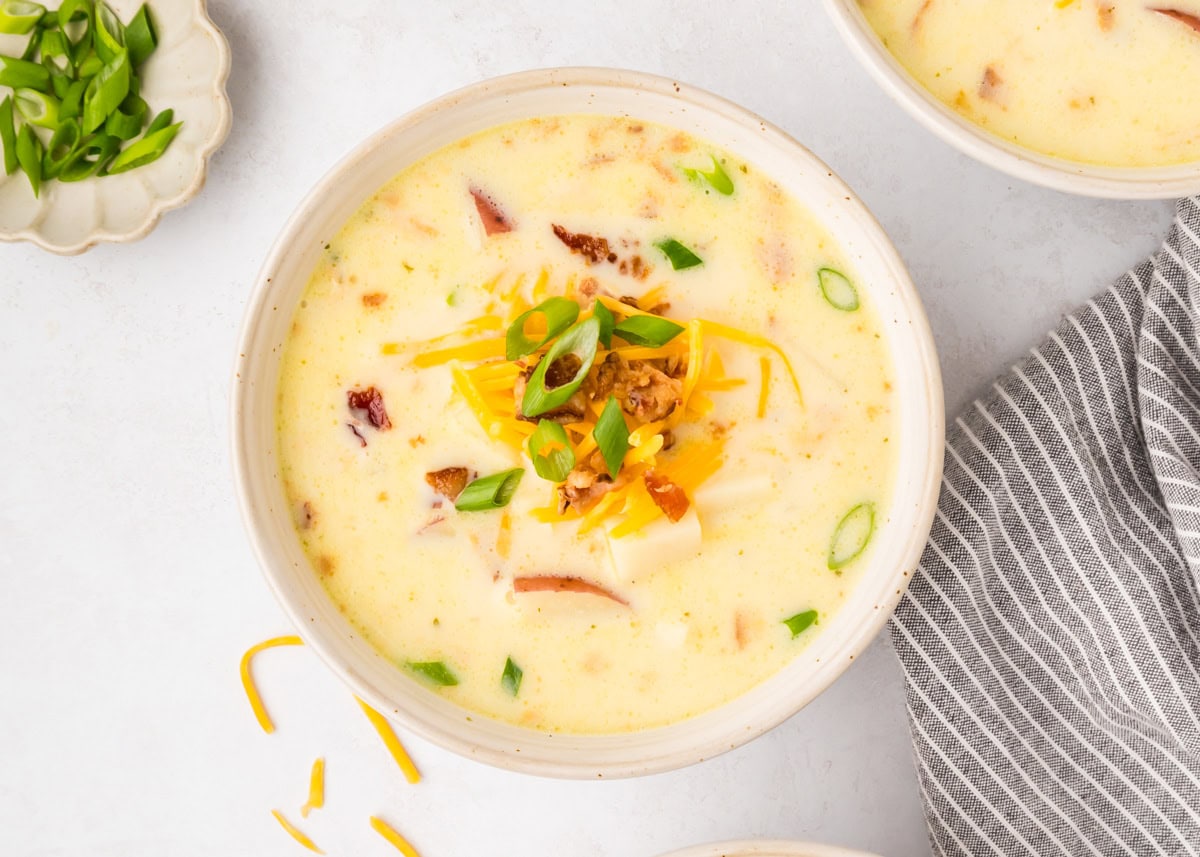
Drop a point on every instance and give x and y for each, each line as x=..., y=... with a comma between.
x=374, y=299
x=449, y=481
x=587, y=482
x=558, y=583
x=1182, y=17
x=1105, y=15
x=354, y=429
x=989, y=86
x=642, y=387
x=494, y=221
x=371, y=401
x=666, y=495
x=589, y=246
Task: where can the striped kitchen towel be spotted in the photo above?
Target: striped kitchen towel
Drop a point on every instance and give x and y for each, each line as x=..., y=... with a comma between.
x=1051, y=639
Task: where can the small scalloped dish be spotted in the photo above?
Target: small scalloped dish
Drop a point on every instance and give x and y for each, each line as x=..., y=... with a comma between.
x=186, y=73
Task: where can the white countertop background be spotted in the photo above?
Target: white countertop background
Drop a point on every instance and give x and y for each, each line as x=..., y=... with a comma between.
x=127, y=588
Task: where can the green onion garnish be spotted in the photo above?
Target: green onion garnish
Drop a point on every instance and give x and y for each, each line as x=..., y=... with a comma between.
x=140, y=36
x=145, y=150
x=801, y=622
x=648, y=330
x=162, y=120
x=19, y=17
x=56, y=52
x=837, y=289
x=37, y=108
x=90, y=158
x=8, y=136
x=22, y=74
x=607, y=322
x=108, y=34
x=681, y=257
x=490, y=492
x=851, y=536
x=510, y=679
x=435, y=672
x=127, y=121
x=559, y=313
x=106, y=92
x=717, y=177
x=550, y=450
x=612, y=436
x=74, y=10
x=29, y=156
x=580, y=340
x=90, y=67
x=61, y=150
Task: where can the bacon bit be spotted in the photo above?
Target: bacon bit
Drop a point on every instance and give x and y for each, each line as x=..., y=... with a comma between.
x=362, y=440
x=371, y=401
x=680, y=143
x=494, y=221
x=990, y=85
x=326, y=565
x=589, y=246
x=374, y=299
x=557, y=583
x=666, y=495
x=588, y=287
x=1106, y=16
x=739, y=629
x=1182, y=17
x=450, y=481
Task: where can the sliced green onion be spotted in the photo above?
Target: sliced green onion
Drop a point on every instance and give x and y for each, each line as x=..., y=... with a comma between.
x=71, y=106
x=140, y=36
x=21, y=74
x=74, y=10
x=126, y=121
x=560, y=313
x=801, y=622
x=90, y=158
x=8, y=136
x=19, y=17
x=56, y=52
x=106, y=92
x=717, y=177
x=490, y=492
x=59, y=83
x=62, y=149
x=580, y=340
x=612, y=436
x=31, y=46
x=851, y=536
x=108, y=33
x=648, y=330
x=837, y=290
x=681, y=257
x=37, y=108
x=162, y=120
x=550, y=451
x=29, y=156
x=607, y=323
x=510, y=679
x=90, y=67
x=435, y=672
x=145, y=150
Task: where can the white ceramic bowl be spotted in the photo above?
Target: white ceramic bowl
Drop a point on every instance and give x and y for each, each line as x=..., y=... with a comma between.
x=186, y=73
x=764, y=848
x=1070, y=176
x=266, y=512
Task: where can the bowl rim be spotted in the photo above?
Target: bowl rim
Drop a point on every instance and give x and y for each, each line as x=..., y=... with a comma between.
x=438, y=733
x=767, y=848
x=1061, y=174
x=220, y=133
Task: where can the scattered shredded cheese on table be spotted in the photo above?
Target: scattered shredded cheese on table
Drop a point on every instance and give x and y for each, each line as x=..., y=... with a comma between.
x=391, y=835
x=260, y=712
x=391, y=742
x=316, y=788
x=295, y=832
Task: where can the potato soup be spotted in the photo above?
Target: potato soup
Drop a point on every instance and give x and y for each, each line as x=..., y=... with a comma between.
x=1110, y=82
x=586, y=424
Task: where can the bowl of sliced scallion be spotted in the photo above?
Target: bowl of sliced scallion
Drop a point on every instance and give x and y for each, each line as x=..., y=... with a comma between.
x=109, y=111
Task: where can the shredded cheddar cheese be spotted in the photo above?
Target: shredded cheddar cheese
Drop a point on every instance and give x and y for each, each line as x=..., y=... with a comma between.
x=393, y=836
x=316, y=788
x=732, y=333
x=764, y=365
x=260, y=711
x=391, y=742
x=295, y=832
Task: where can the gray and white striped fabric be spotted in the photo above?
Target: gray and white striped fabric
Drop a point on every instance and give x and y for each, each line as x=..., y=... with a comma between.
x=1051, y=639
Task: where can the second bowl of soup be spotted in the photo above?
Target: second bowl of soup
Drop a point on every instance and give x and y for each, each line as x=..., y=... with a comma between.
x=586, y=424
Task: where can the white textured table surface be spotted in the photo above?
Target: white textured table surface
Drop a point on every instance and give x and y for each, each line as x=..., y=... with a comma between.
x=129, y=591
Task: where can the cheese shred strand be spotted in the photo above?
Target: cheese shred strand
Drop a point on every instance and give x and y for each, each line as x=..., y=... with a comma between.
x=765, y=365
x=391, y=835
x=295, y=832
x=391, y=742
x=316, y=788
x=260, y=711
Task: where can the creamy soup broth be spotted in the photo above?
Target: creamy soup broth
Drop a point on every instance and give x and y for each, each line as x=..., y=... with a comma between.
x=1109, y=82
x=706, y=598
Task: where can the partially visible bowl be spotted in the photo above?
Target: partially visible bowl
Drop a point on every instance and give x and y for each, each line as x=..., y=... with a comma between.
x=186, y=73
x=267, y=512
x=1167, y=182
x=765, y=848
